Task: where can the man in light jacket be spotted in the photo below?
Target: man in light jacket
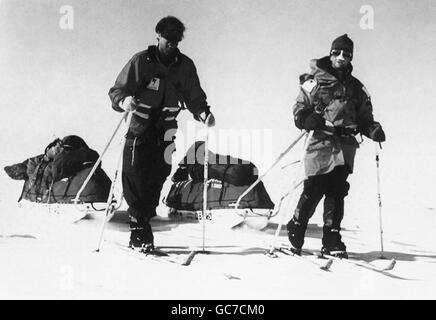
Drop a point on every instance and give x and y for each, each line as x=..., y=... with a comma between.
x=335, y=106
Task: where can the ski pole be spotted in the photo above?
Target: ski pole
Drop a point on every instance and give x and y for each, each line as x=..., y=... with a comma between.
x=377, y=160
x=289, y=193
x=205, y=180
x=76, y=199
x=282, y=219
x=203, y=214
x=109, y=204
x=236, y=205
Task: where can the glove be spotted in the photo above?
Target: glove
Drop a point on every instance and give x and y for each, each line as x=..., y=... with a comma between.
x=208, y=119
x=128, y=104
x=313, y=121
x=377, y=134
x=344, y=131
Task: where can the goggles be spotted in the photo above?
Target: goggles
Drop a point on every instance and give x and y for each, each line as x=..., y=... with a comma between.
x=345, y=54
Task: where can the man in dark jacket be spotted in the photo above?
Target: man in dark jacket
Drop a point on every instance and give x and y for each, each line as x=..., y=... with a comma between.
x=334, y=106
x=154, y=85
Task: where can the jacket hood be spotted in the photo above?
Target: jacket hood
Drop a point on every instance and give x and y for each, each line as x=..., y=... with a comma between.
x=322, y=68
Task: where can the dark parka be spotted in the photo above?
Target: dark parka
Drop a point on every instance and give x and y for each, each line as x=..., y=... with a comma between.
x=161, y=91
x=343, y=103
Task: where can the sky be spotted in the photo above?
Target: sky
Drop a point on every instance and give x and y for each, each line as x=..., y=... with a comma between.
x=248, y=54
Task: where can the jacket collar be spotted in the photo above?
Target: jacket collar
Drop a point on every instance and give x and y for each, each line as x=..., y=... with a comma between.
x=323, y=68
x=153, y=55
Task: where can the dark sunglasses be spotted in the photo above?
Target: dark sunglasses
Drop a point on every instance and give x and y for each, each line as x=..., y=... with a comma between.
x=345, y=54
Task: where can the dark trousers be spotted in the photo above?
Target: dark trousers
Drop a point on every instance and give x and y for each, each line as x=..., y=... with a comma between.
x=334, y=187
x=145, y=170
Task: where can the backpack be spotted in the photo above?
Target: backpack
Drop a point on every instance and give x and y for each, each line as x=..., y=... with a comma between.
x=188, y=195
x=57, y=175
x=227, y=169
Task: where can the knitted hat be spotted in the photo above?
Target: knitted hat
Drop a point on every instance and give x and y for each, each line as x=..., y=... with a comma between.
x=343, y=43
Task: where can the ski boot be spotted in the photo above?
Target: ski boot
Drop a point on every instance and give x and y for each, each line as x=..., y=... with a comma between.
x=147, y=248
x=141, y=238
x=296, y=231
x=295, y=251
x=332, y=244
x=334, y=252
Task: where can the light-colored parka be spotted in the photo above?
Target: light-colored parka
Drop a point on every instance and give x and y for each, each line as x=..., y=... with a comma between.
x=344, y=103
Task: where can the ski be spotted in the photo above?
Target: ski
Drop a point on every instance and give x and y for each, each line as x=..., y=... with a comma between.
x=187, y=261
x=158, y=255
x=351, y=260
x=325, y=265
x=361, y=263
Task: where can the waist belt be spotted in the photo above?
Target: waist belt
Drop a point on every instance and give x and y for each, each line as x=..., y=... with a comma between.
x=341, y=131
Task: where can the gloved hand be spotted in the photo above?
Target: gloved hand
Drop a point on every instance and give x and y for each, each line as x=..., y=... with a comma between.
x=207, y=119
x=377, y=134
x=314, y=121
x=128, y=104
x=210, y=120
x=345, y=131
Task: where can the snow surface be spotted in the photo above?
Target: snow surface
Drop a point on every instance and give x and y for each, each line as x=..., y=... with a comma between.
x=45, y=256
